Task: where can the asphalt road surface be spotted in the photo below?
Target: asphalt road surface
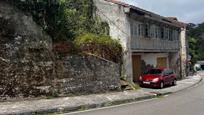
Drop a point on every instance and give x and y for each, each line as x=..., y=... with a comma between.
x=187, y=102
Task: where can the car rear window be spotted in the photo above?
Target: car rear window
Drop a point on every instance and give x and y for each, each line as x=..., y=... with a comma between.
x=154, y=71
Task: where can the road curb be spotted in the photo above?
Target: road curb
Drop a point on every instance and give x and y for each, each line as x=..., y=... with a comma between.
x=85, y=106
x=167, y=93
x=201, y=79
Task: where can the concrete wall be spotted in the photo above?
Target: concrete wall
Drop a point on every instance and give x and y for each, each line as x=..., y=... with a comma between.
x=119, y=29
x=174, y=63
x=151, y=58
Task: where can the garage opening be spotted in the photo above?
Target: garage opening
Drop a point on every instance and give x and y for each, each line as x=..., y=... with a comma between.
x=136, y=60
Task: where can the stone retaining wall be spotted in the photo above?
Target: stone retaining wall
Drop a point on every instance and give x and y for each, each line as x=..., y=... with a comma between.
x=29, y=68
x=86, y=74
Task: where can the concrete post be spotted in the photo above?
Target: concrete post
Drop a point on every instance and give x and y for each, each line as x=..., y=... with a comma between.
x=183, y=52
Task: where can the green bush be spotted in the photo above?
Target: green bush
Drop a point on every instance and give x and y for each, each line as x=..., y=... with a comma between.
x=100, y=45
x=90, y=38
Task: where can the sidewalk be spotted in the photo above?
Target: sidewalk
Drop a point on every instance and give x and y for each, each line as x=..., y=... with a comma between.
x=70, y=104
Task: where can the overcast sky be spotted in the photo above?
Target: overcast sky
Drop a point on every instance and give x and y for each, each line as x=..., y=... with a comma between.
x=185, y=10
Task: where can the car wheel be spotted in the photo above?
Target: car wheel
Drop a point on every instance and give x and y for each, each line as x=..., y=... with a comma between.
x=161, y=86
x=174, y=82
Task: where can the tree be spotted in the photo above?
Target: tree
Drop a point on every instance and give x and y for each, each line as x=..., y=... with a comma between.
x=193, y=48
x=196, y=41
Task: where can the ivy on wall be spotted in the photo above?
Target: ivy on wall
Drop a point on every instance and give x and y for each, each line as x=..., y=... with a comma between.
x=64, y=19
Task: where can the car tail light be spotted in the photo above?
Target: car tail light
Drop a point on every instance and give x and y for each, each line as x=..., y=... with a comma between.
x=155, y=80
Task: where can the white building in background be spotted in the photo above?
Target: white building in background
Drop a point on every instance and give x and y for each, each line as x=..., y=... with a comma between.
x=149, y=40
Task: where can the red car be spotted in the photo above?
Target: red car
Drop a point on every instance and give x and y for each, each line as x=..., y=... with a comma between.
x=158, y=78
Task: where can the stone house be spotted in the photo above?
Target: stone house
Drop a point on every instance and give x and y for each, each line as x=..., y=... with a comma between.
x=148, y=39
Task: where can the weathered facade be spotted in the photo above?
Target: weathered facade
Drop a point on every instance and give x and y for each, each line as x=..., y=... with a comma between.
x=149, y=40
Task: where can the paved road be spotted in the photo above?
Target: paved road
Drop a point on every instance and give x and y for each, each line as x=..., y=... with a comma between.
x=187, y=102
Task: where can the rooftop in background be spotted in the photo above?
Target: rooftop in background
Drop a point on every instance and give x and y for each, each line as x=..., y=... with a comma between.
x=169, y=20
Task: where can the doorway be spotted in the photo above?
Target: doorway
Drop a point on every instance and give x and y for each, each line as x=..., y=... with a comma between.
x=136, y=63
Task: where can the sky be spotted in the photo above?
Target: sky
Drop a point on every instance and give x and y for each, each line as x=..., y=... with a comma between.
x=188, y=11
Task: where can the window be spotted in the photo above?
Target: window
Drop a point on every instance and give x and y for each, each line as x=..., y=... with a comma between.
x=152, y=31
x=141, y=30
x=135, y=30
x=175, y=35
x=157, y=32
x=166, y=33
x=171, y=35
x=165, y=73
x=171, y=72
x=154, y=71
x=168, y=72
x=147, y=30
x=162, y=33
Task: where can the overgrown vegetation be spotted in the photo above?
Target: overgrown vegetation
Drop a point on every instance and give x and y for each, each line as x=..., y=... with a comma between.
x=64, y=19
x=100, y=45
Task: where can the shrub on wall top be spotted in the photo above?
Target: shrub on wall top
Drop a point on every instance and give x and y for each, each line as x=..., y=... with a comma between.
x=100, y=45
x=89, y=38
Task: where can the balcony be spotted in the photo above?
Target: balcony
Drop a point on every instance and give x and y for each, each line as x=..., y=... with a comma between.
x=154, y=45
